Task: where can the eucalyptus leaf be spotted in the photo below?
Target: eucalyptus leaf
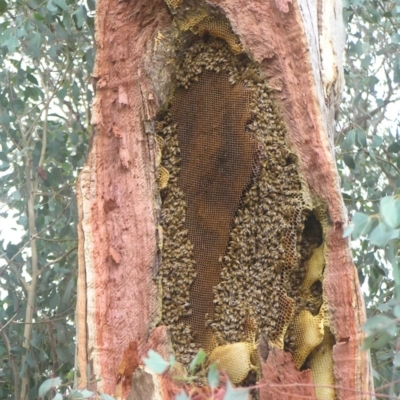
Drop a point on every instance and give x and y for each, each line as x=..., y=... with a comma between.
x=349, y=161
x=3, y=6
x=61, y=3
x=33, y=44
x=349, y=229
x=394, y=147
x=48, y=384
x=155, y=362
x=361, y=138
x=50, y=6
x=12, y=43
x=362, y=225
x=235, y=394
x=382, y=234
x=198, y=360
x=80, y=394
x=213, y=376
x=104, y=396
x=396, y=360
x=380, y=323
x=80, y=16
x=182, y=395
x=390, y=210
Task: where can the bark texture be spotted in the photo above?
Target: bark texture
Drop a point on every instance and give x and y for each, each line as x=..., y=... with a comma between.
x=299, y=47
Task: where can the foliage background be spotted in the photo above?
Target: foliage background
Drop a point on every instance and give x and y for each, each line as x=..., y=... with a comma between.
x=46, y=50
x=368, y=159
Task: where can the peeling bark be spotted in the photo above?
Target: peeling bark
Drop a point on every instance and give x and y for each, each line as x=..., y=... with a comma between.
x=117, y=296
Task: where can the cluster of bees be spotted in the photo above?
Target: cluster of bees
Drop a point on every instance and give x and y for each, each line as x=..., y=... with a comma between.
x=271, y=236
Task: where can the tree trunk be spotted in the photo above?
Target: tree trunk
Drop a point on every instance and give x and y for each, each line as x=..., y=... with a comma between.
x=205, y=114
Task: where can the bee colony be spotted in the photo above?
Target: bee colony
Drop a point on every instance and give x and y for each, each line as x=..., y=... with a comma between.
x=243, y=251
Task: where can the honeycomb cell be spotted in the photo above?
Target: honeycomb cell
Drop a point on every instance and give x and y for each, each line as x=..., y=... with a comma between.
x=309, y=333
x=234, y=359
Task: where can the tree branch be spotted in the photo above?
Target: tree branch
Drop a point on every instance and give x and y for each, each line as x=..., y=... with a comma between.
x=57, y=259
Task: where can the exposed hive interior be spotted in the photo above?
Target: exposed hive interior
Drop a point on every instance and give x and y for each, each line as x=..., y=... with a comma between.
x=243, y=252
x=173, y=3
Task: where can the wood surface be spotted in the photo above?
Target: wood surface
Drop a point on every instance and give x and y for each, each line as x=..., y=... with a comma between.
x=298, y=45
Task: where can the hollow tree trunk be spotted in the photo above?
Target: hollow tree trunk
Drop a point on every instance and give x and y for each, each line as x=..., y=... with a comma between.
x=237, y=98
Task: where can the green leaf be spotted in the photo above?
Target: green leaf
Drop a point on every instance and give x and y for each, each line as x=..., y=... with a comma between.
x=349, y=141
x=361, y=138
x=48, y=384
x=172, y=360
x=390, y=211
x=16, y=195
x=383, y=234
x=376, y=142
x=39, y=17
x=32, y=79
x=182, y=396
x=348, y=230
x=104, y=396
x=30, y=359
x=61, y=3
x=23, y=370
x=50, y=6
x=213, y=376
x=80, y=16
x=198, y=360
x=3, y=351
x=58, y=396
x=396, y=360
x=396, y=311
x=155, y=362
x=11, y=43
x=235, y=394
x=62, y=93
x=34, y=44
x=3, y=6
x=366, y=61
x=31, y=92
x=4, y=166
x=362, y=225
x=349, y=161
x=380, y=323
x=80, y=394
x=394, y=147
x=66, y=299
x=18, y=106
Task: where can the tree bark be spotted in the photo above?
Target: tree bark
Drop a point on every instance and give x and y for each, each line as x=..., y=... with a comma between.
x=299, y=48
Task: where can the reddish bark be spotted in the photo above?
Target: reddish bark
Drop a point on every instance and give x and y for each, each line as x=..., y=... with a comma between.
x=117, y=296
x=278, y=42
x=281, y=379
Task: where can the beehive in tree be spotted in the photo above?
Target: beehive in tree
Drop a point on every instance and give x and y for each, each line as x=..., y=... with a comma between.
x=210, y=211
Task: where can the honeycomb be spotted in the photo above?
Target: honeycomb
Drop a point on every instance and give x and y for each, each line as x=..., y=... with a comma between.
x=219, y=28
x=162, y=178
x=190, y=18
x=173, y=3
x=199, y=21
x=243, y=253
x=322, y=368
x=308, y=334
x=235, y=359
